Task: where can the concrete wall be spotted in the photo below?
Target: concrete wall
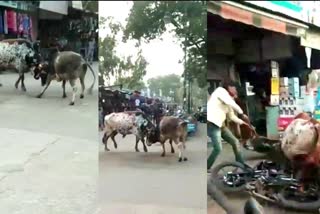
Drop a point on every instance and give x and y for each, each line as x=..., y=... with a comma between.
x=60, y=7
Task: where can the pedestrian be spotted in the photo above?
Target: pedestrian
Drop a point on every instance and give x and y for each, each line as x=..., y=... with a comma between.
x=90, y=52
x=221, y=106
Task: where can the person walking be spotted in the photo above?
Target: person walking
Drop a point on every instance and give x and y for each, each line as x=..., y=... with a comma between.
x=221, y=106
x=90, y=52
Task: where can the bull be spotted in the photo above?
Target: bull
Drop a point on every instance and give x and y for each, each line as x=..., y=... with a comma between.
x=172, y=129
x=64, y=66
x=125, y=123
x=20, y=56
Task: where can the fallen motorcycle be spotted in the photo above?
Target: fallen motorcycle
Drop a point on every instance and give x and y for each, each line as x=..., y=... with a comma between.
x=270, y=182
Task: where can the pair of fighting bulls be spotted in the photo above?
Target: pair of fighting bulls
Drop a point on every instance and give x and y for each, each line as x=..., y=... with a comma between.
x=138, y=124
x=22, y=56
x=300, y=144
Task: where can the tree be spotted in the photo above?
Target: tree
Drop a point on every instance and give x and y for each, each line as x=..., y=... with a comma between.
x=90, y=5
x=146, y=22
x=126, y=71
x=168, y=84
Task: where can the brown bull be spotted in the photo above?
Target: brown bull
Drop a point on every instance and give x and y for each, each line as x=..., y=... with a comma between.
x=172, y=129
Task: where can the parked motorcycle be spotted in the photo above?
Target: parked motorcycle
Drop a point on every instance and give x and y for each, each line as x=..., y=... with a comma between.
x=270, y=182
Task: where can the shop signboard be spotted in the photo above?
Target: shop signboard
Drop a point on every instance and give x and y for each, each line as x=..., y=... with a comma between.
x=11, y=4
x=295, y=9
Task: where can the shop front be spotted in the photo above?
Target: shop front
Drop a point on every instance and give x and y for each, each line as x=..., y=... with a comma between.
x=67, y=26
x=265, y=54
x=18, y=19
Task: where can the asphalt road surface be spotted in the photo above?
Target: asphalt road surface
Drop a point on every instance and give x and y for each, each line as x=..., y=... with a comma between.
x=146, y=183
x=48, y=149
x=238, y=199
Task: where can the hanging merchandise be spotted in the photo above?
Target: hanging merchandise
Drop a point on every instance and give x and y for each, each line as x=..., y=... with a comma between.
x=1, y=22
x=20, y=23
x=12, y=21
x=5, y=22
x=26, y=24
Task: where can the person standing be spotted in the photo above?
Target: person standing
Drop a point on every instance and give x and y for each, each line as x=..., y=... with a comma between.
x=221, y=106
x=90, y=52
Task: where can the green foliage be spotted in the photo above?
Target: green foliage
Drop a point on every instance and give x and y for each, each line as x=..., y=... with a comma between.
x=90, y=5
x=146, y=22
x=126, y=71
x=166, y=83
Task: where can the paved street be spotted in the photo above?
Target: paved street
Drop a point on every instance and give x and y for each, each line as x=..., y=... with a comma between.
x=146, y=183
x=48, y=149
x=238, y=199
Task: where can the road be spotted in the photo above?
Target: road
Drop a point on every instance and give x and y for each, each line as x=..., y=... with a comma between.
x=146, y=183
x=48, y=149
x=238, y=199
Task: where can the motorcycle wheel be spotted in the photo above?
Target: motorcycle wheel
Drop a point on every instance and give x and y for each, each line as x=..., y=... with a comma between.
x=290, y=203
x=230, y=181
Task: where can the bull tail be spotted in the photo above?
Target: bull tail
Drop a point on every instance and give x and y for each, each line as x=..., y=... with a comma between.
x=93, y=74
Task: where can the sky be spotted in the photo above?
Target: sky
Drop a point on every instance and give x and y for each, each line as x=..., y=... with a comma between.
x=163, y=56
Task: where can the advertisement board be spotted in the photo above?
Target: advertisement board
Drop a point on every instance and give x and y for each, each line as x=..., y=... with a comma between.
x=295, y=9
x=306, y=11
x=12, y=4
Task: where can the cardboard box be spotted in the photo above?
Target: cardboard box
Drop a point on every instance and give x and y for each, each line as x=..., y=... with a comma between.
x=294, y=80
x=294, y=91
x=274, y=100
x=303, y=91
x=287, y=101
x=284, y=81
x=275, y=85
x=274, y=64
x=275, y=72
x=284, y=91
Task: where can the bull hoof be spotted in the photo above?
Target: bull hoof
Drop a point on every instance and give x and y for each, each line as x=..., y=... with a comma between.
x=137, y=150
x=71, y=104
x=185, y=159
x=107, y=149
x=23, y=89
x=16, y=85
x=0, y=84
x=39, y=96
x=81, y=96
x=180, y=159
x=172, y=151
x=145, y=149
x=64, y=96
x=162, y=155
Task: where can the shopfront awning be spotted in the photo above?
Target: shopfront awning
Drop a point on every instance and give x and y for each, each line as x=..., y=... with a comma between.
x=258, y=18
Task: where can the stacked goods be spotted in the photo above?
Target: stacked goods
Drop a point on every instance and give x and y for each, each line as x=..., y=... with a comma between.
x=290, y=103
x=294, y=87
x=275, y=81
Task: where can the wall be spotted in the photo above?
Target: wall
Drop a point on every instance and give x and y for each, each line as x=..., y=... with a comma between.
x=60, y=7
